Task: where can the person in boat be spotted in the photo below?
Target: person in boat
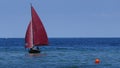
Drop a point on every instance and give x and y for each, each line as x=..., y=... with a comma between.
x=31, y=49
x=37, y=48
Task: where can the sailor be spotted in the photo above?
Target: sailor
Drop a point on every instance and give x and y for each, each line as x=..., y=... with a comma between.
x=31, y=49
x=37, y=48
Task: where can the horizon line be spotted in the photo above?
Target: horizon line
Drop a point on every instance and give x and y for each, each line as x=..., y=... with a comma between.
x=63, y=37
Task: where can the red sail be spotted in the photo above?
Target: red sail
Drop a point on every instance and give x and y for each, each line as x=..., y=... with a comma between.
x=39, y=34
x=28, y=37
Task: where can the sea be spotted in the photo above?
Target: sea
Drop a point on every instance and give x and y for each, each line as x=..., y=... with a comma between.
x=62, y=53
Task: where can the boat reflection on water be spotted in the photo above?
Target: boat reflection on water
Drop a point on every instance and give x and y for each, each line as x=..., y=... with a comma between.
x=35, y=55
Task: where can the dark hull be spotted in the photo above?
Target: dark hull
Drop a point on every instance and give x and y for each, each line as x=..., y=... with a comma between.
x=34, y=51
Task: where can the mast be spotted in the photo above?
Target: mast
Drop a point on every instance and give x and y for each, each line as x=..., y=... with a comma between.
x=31, y=27
x=29, y=34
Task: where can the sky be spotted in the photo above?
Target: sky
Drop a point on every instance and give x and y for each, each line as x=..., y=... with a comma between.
x=62, y=18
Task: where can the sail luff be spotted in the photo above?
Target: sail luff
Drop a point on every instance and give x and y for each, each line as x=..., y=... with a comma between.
x=31, y=35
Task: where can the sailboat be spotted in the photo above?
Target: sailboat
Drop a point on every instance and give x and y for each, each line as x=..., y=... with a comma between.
x=35, y=35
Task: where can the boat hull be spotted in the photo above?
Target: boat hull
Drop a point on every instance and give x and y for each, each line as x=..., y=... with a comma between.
x=34, y=51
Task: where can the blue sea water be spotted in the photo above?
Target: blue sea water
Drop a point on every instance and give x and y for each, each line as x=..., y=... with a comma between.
x=62, y=53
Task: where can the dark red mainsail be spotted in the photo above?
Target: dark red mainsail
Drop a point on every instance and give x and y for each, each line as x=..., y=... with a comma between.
x=37, y=30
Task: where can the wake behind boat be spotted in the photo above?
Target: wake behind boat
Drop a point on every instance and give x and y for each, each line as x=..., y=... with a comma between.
x=35, y=34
